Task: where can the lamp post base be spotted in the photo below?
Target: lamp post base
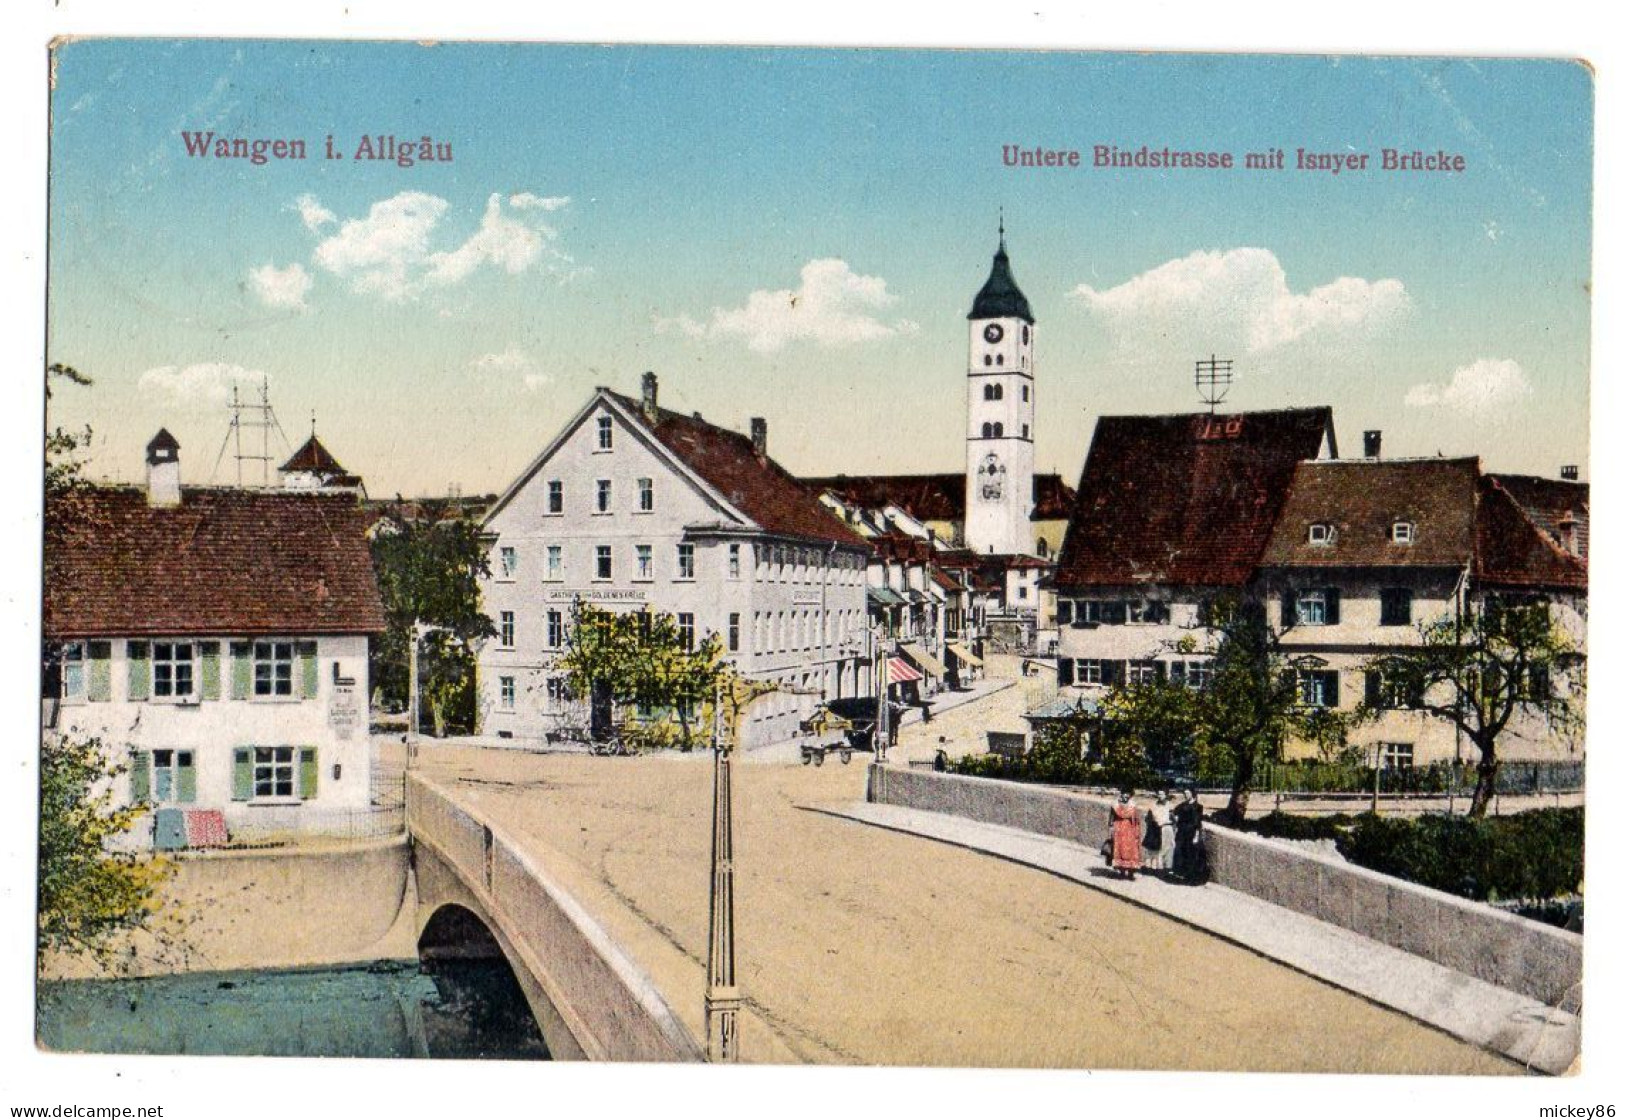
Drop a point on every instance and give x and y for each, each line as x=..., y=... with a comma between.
x=722, y=1024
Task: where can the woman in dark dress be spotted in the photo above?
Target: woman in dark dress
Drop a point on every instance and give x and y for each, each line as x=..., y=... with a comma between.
x=1190, y=860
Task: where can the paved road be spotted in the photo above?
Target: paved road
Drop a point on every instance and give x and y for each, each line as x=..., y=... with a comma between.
x=858, y=945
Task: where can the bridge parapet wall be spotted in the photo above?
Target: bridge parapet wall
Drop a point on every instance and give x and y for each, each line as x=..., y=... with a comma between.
x=608, y=1003
x=1524, y=956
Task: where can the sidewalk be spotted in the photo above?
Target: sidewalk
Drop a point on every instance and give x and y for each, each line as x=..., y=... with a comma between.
x=1539, y=1037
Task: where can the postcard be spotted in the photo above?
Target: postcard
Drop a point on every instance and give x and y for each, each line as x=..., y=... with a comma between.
x=812, y=556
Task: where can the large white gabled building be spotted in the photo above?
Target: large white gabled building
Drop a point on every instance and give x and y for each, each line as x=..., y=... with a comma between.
x=634, y=507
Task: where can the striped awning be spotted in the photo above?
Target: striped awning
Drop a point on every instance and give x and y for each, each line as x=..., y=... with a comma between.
x=899, y=671
x=964, y=655
x=925, y=661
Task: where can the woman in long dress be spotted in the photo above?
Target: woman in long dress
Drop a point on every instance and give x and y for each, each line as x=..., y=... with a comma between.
x=1189, y=861
x=1126, y=836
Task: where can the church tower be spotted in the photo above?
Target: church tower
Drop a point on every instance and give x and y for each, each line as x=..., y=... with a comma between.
x=999, y=415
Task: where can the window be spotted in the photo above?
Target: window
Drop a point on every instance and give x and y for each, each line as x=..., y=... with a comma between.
x=1143, y=672
x=507, y=628
x=508, y=561
x=555, y=629
x=987, y=431
x=555, y=496
x=1403, y=532
x=605, y=488
x=1391, y=692
x=1396, y=756
x=733, y=561
x=1196, y=675
x=273, y=771
x=987, y=359
x=172, y=670
x=1321, y=532
x=558, y=692
x=733, y=633
x=273, y=668
x=1021, y=592
x=555, y=561
x=993, y=392
x=685, y=561
x=1091, y=671
x=1026, y=393
x=685, y=630
x=73, y=671
x=998, y=359
x=1315, y=606
x=998, y=430
x=1024, y=431
x=606, y=434
x=646, y=495
x=1146, y=611
x=646, y=562
x=1317, y=688
x=506, y=693
x=174, y=778
x=605, y=568
x=1396, y=606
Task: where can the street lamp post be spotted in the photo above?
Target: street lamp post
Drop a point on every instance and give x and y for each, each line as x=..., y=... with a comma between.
x=721, y=987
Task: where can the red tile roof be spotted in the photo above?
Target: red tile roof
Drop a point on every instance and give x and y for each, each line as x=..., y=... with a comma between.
x=1361, y=499
x=1189, y=499
x=935, y=497
x=1519, y=541
x=224, y=562
x=757, y=486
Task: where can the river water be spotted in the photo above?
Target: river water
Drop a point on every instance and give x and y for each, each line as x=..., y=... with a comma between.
x=390, y=1009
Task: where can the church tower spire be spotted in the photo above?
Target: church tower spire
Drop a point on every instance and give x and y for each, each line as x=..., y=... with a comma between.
x=1000, y=399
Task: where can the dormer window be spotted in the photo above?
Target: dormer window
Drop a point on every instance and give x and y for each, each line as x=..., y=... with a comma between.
x=1403, y=532
x=606, y=434
x=1322, y=533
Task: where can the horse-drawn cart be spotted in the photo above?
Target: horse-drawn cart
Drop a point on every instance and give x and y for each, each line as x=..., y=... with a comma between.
x=837, y=726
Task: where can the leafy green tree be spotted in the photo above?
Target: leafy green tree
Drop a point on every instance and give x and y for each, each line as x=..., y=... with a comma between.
x=430, y=574
x=641, y=658
x=1250, y=707
x=1504, y=660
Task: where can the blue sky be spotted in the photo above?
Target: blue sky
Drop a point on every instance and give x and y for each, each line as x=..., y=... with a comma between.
x=615, y=209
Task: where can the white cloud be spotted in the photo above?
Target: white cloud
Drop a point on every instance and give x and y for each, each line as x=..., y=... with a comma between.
x=834, y=306
x=535, y=381
x=1240, y=298
x=280, y=287
x=203, y=383
x=513, y=360
x=527, y=201
x=390, y=254
x=313, y=213
x=1484, y=386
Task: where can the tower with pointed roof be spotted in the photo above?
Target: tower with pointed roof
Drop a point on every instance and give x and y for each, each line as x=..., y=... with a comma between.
x=1000, y=398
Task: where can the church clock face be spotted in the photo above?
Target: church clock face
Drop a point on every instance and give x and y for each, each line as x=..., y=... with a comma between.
x=990, y=478
x=993, y=332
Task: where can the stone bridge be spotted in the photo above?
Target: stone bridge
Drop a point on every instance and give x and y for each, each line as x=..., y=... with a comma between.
x=480, y=895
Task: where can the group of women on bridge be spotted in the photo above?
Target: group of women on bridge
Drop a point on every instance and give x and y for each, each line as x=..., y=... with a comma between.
x=1135, y=841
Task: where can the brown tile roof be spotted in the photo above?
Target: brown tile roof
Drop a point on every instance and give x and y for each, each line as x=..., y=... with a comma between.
x=1519, y=541
x=1187, y=499
x=224, y=562
x=935, y=497
x=1361, y=499
x=761, y=489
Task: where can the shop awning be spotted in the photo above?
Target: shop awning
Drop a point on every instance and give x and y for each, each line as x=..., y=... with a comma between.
x=925, y=661
x=964, y=655
x=899, y=671
x=884, y=597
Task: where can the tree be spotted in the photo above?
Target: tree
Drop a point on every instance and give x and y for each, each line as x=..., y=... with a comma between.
x=640, y=658
x=1242, y=717
x=89, y=892
x=1480, y=671
x=430, y=574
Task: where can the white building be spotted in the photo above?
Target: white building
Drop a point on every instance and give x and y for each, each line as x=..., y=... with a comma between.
x=215, y=639
x=634, y=507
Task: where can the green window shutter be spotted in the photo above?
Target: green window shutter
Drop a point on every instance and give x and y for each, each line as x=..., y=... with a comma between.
x=1333, y=680
x=140, y=777
x=1063, y=671
x=100, y=688
x=242, y=669
x=307, y=669
x=185, y=777
x=307, y=773
x=140, y=669
x=1373, y=688
x=209, y=652
x=1334, y=610
x=242, y=774
x=1289, y=607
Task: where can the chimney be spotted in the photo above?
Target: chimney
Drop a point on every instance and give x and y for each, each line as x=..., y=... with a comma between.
x=758, y=436
x=1373, y=444
x=1567, y=533
x=1569, y=473
x=163, y=470
x=651, y=397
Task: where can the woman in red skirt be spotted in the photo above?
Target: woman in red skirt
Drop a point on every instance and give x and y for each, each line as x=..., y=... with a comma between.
x=1126, y=835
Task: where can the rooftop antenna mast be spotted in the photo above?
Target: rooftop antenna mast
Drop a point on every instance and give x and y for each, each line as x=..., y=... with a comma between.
x=1214, y=376
x=253, y=417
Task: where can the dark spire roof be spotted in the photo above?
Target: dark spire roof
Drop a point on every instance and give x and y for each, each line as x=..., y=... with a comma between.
x=999, y=297
x=313, y=457
x=163, y=441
